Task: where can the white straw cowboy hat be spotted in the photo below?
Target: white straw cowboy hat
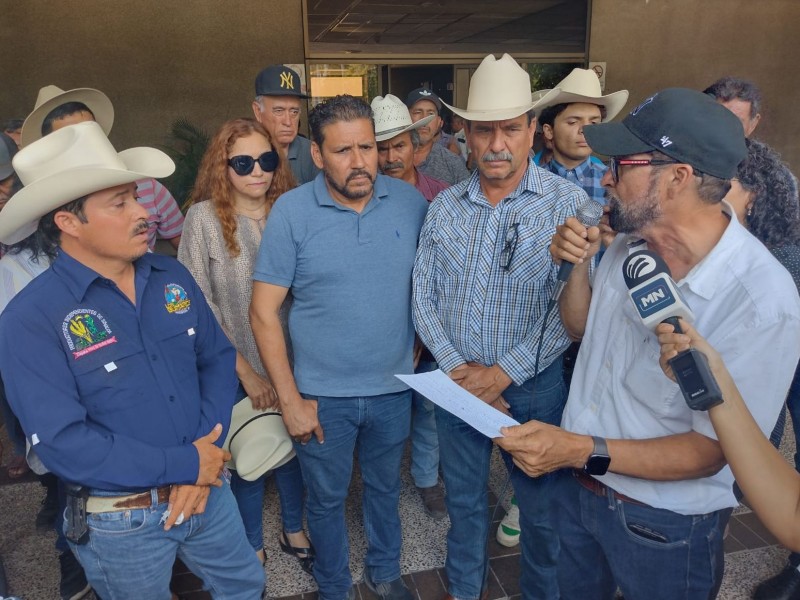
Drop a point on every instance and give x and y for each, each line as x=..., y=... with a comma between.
x=392, y=117
x=582, y=85
x=257, y=440
x=51, y=97
x=69, y=164
x=499, y=90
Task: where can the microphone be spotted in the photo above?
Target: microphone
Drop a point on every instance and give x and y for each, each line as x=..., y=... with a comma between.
x=657, y=299
x=588, y=214
x=651, y=289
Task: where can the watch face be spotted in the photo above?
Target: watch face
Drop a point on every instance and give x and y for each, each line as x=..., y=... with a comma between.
x=597, y=464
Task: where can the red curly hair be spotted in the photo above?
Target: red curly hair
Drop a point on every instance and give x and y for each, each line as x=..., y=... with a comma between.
x=214, y=184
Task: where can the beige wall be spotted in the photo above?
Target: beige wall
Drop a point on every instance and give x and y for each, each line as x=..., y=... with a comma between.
x=156, y=60
x=653, y=44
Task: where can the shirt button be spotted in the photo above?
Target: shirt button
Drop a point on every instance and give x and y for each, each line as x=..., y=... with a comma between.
x=172, y=398
x=184, y=439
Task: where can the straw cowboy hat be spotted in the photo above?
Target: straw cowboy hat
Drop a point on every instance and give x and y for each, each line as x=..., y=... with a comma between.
x=392, y=117
x=51, y=97
x=257, y=440
x=582, y=85
x=499, y=90
x=69, y=164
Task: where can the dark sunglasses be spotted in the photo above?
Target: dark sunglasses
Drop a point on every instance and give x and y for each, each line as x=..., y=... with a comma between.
x=244, y=165
x=616, y=163
x=507, y=253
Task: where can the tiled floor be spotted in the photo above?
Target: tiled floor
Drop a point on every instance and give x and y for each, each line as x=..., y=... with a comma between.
x=32, y=566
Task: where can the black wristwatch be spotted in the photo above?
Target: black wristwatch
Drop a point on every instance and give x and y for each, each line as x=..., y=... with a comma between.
x=599, y=459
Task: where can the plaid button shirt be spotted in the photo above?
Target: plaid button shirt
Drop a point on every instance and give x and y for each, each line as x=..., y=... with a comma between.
x=586, y=175
x=467, y=306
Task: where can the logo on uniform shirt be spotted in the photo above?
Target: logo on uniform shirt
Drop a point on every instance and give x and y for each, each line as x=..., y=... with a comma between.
x=177, y=300
x=86, y=330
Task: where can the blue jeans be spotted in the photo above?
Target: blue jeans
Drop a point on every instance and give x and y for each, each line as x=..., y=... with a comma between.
x=130, y=556
x=378, y=427
x=648, y=552
x=424, y=439
x=250, y=500
x=465, y=455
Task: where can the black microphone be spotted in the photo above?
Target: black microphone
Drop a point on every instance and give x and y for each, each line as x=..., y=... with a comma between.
x=658, y=300
x=588, y=214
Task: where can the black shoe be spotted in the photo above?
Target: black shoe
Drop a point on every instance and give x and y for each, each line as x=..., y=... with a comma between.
x=783, y=586
x=304, y=555
x=46, y=517
x=433, y=501
x=73, y=584
x=390, y=590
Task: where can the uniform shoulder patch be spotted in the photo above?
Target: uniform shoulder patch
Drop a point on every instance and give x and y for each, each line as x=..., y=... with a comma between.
x=178, y=301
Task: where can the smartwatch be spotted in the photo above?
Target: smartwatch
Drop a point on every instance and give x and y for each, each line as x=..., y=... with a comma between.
x=599, y=459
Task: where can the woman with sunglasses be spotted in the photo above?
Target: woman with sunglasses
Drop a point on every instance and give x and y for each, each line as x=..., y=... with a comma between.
x=239, y=180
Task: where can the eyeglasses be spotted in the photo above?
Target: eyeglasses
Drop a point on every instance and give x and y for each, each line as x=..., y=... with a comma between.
x=616, y=163
x=512, y=237
x=244, y=165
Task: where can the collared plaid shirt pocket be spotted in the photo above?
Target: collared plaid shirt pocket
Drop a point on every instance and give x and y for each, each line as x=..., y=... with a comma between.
x=531, y=258
x=452, y=243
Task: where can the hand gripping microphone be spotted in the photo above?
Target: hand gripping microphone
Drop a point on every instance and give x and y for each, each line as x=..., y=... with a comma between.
x=657, y=299
x=588, y=214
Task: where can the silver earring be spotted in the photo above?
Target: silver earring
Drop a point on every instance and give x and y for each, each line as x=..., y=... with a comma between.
x=749, y=210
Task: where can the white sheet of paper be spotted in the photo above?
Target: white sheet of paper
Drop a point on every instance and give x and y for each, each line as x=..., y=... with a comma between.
x=445, y=392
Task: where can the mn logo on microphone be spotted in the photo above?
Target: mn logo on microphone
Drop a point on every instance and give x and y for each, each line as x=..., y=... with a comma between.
x=651, y=298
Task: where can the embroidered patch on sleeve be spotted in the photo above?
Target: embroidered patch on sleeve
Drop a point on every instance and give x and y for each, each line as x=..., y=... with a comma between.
x=177, y=300
x=86, y=330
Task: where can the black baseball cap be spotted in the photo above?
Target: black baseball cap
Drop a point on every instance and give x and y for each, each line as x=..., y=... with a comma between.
x=278, y=80
x=686, y=125
x=423, y=94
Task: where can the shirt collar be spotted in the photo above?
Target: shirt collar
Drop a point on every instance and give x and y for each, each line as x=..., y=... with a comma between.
x=293, y=149
x=705, y=276
x=78, y=277
x=531, y=182
x=582, y=170
x=324, y=197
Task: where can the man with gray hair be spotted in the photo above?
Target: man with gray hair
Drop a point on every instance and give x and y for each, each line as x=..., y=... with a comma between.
x=277, y=108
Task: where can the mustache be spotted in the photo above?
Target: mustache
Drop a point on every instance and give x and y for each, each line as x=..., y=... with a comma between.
x=359, y=173
x=398, y=164
x=495, y=156
x=141, y=227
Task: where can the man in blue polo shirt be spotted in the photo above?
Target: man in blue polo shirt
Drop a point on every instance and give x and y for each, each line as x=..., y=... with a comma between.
x=120, y=375
x=344, y=245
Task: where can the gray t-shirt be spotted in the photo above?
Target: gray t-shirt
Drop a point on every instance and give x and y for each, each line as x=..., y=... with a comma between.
x=443, y=164
x=300, y=161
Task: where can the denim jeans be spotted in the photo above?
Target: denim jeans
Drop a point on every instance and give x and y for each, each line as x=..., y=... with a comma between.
x=465, y=455
x=250, y=500
x=130, y=556
x=650, y=553
x=377, y=426
x=424, y=439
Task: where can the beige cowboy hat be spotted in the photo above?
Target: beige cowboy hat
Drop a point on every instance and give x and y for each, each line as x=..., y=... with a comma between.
x=69, y=164
x=51, y=97
x=582, y=85
x=392, y=117
x=257, y=440
x=499, y=89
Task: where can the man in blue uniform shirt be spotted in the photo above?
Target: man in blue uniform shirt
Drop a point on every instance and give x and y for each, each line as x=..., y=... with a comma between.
x=121, y=377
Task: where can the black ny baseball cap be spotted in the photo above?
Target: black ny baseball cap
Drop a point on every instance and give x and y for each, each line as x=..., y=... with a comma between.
x=278, y=80
x=684, y=124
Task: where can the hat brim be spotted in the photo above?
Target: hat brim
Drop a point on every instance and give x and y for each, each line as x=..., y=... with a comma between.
x=387, y=135
x=613, y=103
x=614, y=139
x=21, y=214
x=257, y=440
x=285, y=93
x=500, y=114
x=95, y=100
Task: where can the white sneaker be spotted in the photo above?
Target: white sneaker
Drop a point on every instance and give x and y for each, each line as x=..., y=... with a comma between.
x=508, y=531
